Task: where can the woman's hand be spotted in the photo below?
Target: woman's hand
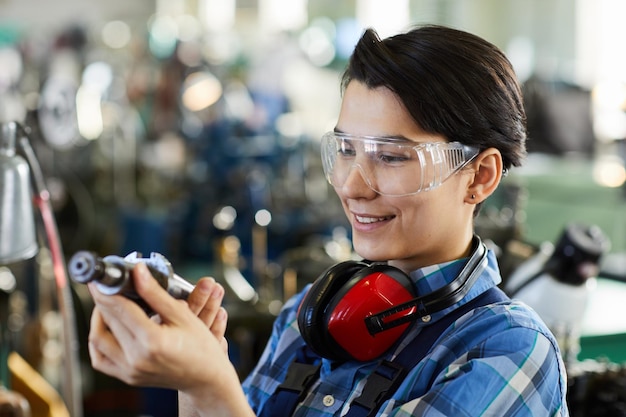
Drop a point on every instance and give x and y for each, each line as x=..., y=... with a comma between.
x=183, y=350
x=205, y=301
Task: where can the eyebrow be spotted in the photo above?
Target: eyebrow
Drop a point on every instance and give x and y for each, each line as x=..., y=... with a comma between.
x=400, y=138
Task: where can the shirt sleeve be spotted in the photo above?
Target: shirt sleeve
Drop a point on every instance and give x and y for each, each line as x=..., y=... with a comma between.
x=279, y=351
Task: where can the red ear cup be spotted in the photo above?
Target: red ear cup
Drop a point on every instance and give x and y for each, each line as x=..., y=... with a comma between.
x=332, y=314
x=370, y=291
x=311, y=320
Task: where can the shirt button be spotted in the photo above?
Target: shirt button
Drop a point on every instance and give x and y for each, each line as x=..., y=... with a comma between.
x=328, y=400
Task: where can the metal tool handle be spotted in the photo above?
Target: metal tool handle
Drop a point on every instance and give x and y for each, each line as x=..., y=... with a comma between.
x=112, y=274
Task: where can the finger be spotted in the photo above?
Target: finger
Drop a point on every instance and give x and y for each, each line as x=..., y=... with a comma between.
x=157, y=297
x=104, y=351
x=219, y=324
x=212, y=305
x=101, y=362
x=121, y=316
x=200, y=295
x=219, y=328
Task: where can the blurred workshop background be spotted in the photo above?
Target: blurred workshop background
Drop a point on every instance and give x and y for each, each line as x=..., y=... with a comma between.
x=189, y=129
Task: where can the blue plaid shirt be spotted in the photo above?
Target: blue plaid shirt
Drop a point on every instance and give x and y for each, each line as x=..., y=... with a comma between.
x=498, y=360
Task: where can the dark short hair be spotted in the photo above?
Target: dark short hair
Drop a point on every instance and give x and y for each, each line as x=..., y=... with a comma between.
x=453, y=83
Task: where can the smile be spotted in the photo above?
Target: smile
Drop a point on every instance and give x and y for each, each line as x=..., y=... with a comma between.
x=367, y=220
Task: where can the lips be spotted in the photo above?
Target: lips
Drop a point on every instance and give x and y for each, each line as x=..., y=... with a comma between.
x=370, y=220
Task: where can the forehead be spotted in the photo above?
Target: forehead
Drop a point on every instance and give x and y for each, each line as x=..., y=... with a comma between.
x=378, y=112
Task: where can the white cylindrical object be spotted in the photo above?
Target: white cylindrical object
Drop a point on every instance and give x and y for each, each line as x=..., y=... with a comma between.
x=17, y=219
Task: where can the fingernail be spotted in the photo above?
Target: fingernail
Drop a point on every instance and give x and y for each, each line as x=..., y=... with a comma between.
x=142, y=271
x=92, y=288
x=205, y=285
x=218, y=291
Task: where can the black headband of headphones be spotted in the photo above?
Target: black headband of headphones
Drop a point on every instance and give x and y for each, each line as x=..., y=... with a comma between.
x=437, y=300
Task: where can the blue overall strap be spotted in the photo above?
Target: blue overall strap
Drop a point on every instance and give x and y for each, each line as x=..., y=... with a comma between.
x=301, y=374
x=388, y=376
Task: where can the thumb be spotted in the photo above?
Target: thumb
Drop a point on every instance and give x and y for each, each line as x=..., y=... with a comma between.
x=157, y=297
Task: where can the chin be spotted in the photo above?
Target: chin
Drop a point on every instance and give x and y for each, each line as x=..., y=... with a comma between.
x=374, y=254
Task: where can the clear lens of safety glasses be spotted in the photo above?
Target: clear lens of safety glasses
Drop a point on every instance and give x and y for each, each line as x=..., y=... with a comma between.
x=392, y=167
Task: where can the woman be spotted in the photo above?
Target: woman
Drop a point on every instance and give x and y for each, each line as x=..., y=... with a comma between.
x=430, y=121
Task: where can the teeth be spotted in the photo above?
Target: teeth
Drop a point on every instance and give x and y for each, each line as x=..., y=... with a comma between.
x=361, y=219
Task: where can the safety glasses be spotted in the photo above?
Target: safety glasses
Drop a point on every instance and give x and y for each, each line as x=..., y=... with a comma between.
x=392, y=166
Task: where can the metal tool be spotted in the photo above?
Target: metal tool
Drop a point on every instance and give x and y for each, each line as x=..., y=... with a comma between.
x=112, y=274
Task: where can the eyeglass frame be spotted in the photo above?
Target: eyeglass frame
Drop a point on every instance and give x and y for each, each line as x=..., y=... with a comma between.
x=469, y=154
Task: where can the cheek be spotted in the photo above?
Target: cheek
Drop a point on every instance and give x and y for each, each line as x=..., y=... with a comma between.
x=427, y=212
x=343, y=204
x=417, y=219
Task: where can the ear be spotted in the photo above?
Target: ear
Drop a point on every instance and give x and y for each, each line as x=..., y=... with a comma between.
x=488, y=168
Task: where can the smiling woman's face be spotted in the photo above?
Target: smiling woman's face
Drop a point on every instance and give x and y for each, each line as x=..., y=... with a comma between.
x=411, y=231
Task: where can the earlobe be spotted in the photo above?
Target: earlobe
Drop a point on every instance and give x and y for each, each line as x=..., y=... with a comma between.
x=487, y=175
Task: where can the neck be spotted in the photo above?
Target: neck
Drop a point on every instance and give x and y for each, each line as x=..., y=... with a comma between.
x=460, y=248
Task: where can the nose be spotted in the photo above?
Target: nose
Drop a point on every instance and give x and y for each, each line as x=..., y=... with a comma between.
x=357, y=184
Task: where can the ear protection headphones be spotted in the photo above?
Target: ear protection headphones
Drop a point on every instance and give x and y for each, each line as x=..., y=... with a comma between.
x=358, y=311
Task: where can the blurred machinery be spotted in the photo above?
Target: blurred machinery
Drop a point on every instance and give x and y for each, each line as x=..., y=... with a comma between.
x=19, y=242
x=558, y=280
